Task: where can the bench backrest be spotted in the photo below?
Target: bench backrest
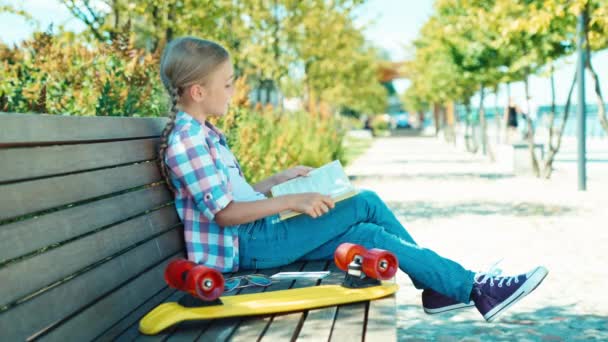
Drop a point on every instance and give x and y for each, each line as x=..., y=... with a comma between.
x=86, y=223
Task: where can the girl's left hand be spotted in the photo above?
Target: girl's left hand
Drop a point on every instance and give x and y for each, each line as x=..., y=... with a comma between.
x=294, y=172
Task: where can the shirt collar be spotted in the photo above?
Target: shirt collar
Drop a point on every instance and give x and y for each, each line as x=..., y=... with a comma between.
x=208, y=128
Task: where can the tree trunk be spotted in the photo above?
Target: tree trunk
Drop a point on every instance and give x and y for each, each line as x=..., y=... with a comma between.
x=601, y=107
x=533, y=160
x=436, y=118
x=92, y=23
x=486, y=148
x=548, y=167
x=450, y=123
x=497, y=116
x=116, y=11
x=553, y=110
x=170, y=21
x=469, y=131
x=482, y=120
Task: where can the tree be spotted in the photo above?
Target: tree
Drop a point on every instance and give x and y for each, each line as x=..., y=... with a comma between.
x=311, y=46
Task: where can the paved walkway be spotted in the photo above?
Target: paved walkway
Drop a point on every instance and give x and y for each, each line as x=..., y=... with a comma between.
x=477, y=213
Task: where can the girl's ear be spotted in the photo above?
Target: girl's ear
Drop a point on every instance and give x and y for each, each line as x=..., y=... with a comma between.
x=197, y=92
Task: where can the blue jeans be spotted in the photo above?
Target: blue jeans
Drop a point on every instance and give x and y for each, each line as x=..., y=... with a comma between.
x=363, y=219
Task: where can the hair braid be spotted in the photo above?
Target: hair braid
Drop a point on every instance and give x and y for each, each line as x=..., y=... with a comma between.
x=185, y=61
x=164, y=169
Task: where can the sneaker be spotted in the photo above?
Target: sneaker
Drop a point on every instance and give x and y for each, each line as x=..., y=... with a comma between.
x=434, y=302
x=494, y=294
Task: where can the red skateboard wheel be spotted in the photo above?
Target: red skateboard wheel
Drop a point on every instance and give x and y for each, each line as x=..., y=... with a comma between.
x=380, y=264
x=345, y=253
x=177, y=271
x=205, y=283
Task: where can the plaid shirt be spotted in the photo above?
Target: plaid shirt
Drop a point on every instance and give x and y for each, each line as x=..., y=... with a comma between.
x=202, y=185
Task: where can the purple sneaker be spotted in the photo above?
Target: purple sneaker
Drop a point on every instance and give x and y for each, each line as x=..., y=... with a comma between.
x=434, y=302
x=494, y=294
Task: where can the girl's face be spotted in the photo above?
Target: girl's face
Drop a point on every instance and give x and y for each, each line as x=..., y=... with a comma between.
x=219, y=90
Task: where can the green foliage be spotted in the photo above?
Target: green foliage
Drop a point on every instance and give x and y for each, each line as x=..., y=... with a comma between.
x=112, y=69
x=508, y=41
x=311, y=48
x=268, y=141
x=60, y=74
x=380, y=124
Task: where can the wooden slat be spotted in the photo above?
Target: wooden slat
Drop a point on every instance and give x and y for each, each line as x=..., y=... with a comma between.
x=31, y=162
x=132, y=332
x=22, y=237
x=26, y=197
x=284, y=327
x=319, y=322
x=104, y=313
x=349, y=322
x=382, y=320
x=59, y=302
x=40, y=128
x=252, y=328
x=191, y=330
x=113, y=333
x=185, y=331
x=32, y=274
x=222, y=329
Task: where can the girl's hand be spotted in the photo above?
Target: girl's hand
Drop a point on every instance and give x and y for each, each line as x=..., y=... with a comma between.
x=313, y=204
x=294, y=172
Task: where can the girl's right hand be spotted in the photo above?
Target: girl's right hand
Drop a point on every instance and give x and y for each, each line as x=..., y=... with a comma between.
x=313, y=204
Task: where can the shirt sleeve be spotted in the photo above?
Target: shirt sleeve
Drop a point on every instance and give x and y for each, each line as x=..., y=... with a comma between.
x=192, y=165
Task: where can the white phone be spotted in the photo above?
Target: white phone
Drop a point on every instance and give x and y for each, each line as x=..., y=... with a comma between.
x=300, y=275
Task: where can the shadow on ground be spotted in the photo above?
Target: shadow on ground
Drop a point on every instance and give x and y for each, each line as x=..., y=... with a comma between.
x=553, y=323
x=426, y=210
x=433, y=176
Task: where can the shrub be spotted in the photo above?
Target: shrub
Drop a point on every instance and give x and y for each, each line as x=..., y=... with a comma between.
x=61, y=74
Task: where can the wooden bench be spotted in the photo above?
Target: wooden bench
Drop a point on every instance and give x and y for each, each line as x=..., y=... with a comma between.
x=87, y=227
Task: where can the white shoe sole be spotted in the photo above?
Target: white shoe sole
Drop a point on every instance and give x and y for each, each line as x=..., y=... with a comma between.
x=448, y=308
x=538, y=275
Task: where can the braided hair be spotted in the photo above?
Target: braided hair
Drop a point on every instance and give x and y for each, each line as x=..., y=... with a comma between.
x=186, y=61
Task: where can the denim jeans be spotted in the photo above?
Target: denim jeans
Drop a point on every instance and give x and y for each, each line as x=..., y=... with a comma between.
x=363, y=219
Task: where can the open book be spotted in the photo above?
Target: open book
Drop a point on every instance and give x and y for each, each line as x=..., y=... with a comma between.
x=328, y=179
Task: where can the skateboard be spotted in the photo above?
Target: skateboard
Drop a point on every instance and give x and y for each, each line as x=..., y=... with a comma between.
x=365, y=270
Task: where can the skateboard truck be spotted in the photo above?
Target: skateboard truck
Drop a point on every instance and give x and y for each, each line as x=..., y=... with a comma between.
x=189, y=301
x=355, y=278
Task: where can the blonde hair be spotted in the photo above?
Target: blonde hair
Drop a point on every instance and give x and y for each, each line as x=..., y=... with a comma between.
x=186, y=61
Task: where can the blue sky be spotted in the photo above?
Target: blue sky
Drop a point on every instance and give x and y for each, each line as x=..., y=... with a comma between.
x=391, y=25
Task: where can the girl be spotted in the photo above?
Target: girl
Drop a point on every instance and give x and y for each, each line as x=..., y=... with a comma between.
x=230, y=224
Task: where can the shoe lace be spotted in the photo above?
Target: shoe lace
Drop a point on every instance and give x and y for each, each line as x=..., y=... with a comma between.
x=493, y=274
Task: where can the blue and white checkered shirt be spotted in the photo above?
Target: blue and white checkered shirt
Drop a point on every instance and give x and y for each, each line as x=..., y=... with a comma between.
x=201, y=180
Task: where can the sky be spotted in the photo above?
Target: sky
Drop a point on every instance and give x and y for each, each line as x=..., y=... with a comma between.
x=390, y=24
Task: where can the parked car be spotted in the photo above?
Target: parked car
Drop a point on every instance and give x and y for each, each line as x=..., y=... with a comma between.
x=401, y=120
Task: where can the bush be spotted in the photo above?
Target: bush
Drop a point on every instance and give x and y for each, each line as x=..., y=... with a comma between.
x=268, y=141
x=380, y=124
x=63, y=75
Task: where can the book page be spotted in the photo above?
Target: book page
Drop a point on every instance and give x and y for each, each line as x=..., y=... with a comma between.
x=329, y=179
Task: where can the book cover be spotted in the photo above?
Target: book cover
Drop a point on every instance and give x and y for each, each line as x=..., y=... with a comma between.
x=329, y=179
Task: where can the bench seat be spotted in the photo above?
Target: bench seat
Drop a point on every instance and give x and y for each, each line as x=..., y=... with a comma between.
x=87, y=227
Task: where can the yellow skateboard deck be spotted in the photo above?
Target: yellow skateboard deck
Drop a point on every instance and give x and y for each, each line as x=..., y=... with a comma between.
x=168, y=314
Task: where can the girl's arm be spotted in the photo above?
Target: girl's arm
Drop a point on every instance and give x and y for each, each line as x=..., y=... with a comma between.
x=312, y=204
x=278, y=178
x=265, y=185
